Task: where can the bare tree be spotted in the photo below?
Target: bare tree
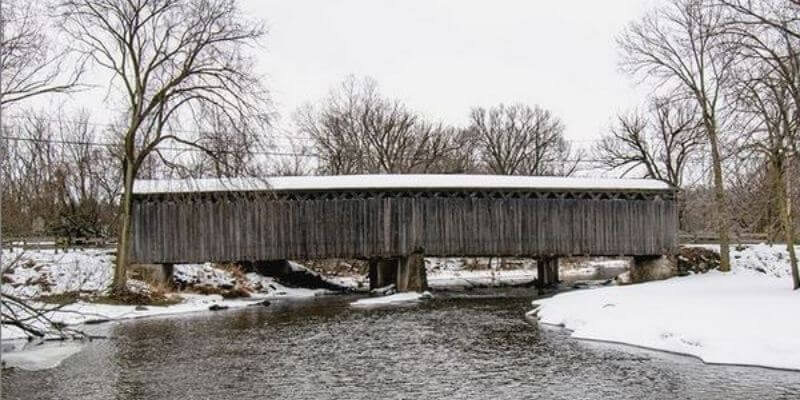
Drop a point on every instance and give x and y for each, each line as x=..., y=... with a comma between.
x=33, y=63
x=357, y=130
x=682, y=46
x=87, y=179
x=659, y=143
x=771, y=138
x=295, y=162
x=768, y=89
x=520, y=140
x=230, y=149
x=776, y=15
x=172, y=61
x=58, y=181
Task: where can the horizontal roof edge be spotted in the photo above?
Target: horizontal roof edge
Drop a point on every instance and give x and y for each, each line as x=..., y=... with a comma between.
x=395, y=182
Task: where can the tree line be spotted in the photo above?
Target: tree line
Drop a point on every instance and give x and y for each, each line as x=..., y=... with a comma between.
x=720, y=123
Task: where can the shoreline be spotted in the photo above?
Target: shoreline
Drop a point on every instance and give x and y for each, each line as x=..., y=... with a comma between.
x=196, y=304
x=556, y=327
x=737, y=319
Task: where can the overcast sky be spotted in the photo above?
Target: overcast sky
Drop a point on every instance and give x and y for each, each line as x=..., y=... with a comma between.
x=444, y=56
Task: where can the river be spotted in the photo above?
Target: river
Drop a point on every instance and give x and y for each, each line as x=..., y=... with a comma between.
x=473, y=345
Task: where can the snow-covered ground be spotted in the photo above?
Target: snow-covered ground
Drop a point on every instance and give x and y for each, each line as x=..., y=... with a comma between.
x=770, y=260
x=45, y=272
x=742, y=317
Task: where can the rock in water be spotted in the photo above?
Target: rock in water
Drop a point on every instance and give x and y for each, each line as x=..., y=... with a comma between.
x=217, y=307
x=264, y=303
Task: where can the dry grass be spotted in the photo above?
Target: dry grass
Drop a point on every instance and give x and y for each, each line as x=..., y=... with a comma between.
x=234, y=293
x=234, y=269
x=60, y=299
x=154, y=298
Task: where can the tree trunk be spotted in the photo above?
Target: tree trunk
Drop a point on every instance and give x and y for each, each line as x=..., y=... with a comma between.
x=719, y=200
x=784, y=192
x=123, y=244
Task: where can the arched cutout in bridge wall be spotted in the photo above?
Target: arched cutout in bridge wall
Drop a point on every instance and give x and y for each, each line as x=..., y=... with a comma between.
x=226, y=226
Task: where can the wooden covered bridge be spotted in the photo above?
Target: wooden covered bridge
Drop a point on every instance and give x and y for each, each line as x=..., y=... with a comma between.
x=396, y=220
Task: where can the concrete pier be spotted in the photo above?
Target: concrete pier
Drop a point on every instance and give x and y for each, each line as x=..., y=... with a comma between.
x=411, y=275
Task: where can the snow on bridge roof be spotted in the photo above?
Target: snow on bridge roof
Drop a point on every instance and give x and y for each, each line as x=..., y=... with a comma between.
x=365, y=182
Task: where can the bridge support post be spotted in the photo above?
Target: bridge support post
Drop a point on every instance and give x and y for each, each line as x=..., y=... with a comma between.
x=382, y=272
x=411, y=275
x=168, y=270
x=546, y=272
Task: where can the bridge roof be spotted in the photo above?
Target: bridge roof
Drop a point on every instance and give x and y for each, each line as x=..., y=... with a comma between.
x=390, y=182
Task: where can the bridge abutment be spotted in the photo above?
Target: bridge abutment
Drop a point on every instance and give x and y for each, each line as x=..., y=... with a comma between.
x=652, y=268
x=155, y=273
x=546, y=272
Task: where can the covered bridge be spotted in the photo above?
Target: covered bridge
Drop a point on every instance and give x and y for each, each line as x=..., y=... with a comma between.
x=400, y=217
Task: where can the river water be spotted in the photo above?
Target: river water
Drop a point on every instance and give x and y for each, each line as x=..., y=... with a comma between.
x=474, y=345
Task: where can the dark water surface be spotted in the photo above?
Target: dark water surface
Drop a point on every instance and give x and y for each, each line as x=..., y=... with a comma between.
x=455, y=347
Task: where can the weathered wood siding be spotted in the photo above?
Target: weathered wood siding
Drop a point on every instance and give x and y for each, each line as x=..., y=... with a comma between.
x=268, y=226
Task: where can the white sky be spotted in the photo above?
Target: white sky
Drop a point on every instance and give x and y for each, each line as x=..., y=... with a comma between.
x=444, y=56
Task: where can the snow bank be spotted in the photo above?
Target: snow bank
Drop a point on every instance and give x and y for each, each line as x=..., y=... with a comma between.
x=42, y=357
x=82, y=312
x=395, y=299
x=44, y=272
x=41, y=273
x=203, y=275
x=429, y=181
x=772, y=260
x=743, y=317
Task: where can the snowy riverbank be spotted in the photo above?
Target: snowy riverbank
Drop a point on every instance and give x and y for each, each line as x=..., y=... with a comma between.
x=743, y=317
x=86, y=275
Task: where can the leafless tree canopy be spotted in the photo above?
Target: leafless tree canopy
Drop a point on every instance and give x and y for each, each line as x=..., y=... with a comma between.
x=357, y=130
x=659, y=143
x=33, y=63
x=520, y=140
x=174, y=61
x=56, y=183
